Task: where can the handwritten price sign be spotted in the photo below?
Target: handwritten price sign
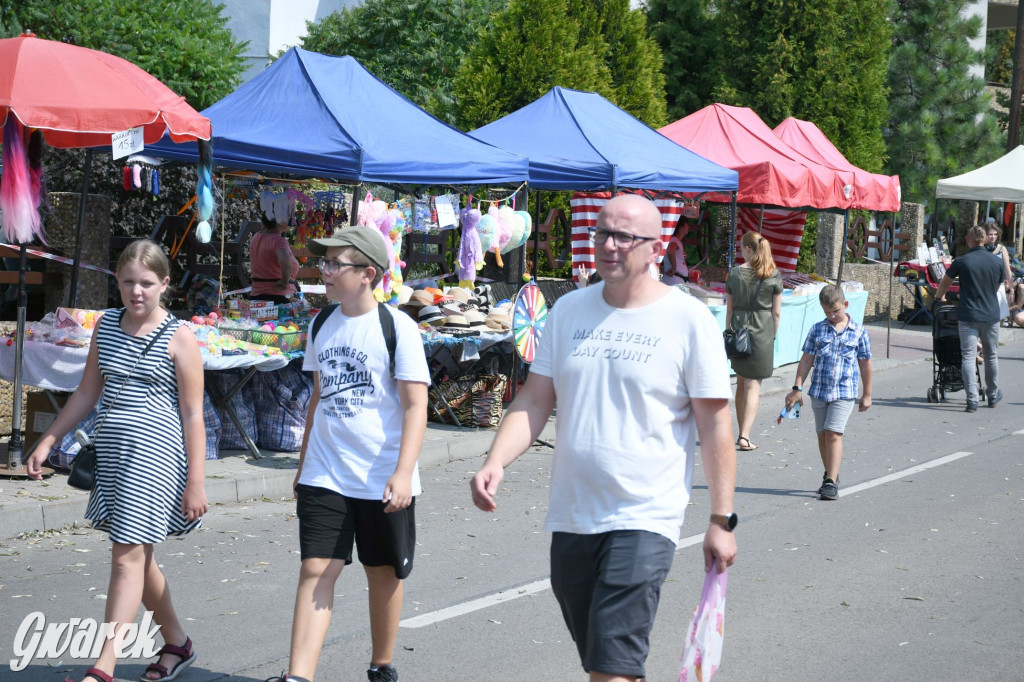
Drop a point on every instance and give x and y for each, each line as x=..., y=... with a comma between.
x=127, y=142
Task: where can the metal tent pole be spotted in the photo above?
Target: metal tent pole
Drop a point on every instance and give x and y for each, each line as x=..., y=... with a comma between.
x=732, y=230
x=86, y=172
x=842, y=246
x=15, y=447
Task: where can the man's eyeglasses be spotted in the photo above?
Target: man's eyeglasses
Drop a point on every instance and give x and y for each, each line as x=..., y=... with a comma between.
x=329, y=266
x=623, y=240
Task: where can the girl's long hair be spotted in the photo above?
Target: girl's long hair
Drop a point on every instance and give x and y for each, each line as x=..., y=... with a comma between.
x=761, y=261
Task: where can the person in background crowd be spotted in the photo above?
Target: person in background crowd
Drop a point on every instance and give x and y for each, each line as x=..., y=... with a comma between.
x=753, y=300
x=638, y=370
x=981, y=274
x=273, y=265
x=150, y=450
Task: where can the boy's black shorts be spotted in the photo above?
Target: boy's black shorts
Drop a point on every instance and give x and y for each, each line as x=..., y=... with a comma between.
x=330, y=521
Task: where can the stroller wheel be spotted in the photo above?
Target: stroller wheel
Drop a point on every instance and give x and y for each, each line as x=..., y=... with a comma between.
x=932, y=395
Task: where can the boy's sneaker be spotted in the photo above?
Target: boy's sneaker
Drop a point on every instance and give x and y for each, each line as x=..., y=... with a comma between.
x=996, y=397
x=971, y=407
x=824, y=477
x=829, y=490
x=385, y=673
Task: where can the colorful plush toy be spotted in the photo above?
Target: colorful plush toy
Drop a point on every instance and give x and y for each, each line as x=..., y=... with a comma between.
x=471, y=254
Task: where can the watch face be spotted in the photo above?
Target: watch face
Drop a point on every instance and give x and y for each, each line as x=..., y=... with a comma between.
x=731, y=520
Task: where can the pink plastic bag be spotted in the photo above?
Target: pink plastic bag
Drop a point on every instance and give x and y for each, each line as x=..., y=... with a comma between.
x=703, y=650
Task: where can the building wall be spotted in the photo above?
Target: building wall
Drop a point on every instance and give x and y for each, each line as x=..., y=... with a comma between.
x=274, y=25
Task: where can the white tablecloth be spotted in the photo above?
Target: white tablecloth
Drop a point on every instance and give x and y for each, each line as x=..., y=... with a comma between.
x=59, y=368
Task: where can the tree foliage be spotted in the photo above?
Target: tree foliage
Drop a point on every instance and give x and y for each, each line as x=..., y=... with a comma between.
x=940, y=120
x=685, y=30
x=415, y=46
x=534, y=45
x=823, y=62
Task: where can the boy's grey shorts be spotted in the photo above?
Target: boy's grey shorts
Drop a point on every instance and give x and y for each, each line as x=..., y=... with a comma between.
x=832, y=416
x=608, y=586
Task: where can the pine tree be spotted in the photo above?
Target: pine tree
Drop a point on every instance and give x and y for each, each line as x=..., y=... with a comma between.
x=635, y=63
x=685, y=30
x=940, y=123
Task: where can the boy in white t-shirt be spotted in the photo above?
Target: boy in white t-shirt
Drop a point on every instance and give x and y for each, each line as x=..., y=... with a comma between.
x=358, y=479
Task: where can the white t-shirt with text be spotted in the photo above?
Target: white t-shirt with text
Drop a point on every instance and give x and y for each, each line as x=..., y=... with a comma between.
x=626, y=433
x=357, y=427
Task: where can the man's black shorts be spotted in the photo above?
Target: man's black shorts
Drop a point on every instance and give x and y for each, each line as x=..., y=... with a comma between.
x=608, y=586
x=330, y=521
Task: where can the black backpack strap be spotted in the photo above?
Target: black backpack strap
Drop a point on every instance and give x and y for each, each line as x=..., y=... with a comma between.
x=387, y=326
x=319, y=320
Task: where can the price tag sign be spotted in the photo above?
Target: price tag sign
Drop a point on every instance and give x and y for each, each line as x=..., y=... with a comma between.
x=445, y=212
x=127, y=142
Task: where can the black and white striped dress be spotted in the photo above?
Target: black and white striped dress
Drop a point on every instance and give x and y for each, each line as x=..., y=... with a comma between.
x=141, y=466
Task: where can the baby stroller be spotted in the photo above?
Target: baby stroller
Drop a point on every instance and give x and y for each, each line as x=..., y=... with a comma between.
x=946, y=357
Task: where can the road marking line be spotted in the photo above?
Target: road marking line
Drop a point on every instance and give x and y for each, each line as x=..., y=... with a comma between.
x=1019, y=433
x=540, y=585
x=905, y=472
x=476, y=604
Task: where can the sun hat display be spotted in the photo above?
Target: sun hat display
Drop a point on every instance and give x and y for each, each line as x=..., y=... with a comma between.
x=404, y=295
x=366, y=240
x=499, y=321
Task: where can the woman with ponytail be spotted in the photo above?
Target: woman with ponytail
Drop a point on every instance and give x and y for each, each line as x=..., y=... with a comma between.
x=753, y=300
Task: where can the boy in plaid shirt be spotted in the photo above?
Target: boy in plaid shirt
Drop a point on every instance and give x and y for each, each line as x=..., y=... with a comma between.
x=839, y=351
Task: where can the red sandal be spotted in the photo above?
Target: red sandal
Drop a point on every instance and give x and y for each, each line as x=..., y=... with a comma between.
x=97, y=673
x=186, y=655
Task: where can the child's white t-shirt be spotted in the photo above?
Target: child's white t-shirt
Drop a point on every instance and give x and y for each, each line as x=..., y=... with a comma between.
x=626, y=434
x=357, y=427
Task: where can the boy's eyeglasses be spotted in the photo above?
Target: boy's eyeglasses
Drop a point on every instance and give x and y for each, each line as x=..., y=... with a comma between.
x=329, y=266
x=623, y=240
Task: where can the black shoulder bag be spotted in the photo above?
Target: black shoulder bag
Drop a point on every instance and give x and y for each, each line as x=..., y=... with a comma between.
x=738, y=343
x=83, y=467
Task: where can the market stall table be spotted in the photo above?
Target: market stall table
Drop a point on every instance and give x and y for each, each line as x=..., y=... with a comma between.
x=457, y=355
x=55, y=367
x=799, y=314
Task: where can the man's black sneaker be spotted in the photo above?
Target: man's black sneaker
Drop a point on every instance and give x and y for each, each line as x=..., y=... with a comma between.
x=971, y=407
x=996, y=397
x=385, y=673
x=829, y=490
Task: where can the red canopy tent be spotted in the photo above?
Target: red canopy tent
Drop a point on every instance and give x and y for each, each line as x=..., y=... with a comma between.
x=771, y=172
x=871, y=191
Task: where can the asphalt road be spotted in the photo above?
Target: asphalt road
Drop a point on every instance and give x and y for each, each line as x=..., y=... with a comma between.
x=915, y=573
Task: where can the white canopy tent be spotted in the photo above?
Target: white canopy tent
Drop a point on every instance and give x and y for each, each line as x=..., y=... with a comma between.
x=1001, y=180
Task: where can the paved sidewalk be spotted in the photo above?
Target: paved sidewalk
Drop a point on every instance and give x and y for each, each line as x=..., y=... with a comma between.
x=31, y=506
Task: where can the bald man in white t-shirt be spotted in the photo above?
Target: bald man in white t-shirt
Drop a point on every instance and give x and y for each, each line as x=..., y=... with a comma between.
x=638, y=370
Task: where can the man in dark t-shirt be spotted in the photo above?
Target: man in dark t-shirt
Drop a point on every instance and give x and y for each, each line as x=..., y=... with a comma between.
x=980, y=273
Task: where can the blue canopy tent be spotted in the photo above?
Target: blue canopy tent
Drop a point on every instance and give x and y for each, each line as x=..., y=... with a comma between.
x=581, y=141
x=314, y=115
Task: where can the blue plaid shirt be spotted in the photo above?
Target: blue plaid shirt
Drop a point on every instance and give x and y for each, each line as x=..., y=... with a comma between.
x=836, y=372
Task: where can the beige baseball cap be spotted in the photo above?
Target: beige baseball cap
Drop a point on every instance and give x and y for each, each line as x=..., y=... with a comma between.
x=366, y=240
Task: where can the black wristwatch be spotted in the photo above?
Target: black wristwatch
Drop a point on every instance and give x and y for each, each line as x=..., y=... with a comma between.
x=726, y=521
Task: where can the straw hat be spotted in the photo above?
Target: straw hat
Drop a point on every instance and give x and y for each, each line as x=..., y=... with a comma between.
x=477, y=320
x=459, y=294
x=497, y=321
x=418, y=299
x=457, y=322
x=431, y=314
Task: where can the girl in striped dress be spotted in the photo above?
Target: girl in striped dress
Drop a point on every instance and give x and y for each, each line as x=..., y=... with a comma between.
x=150, y=449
